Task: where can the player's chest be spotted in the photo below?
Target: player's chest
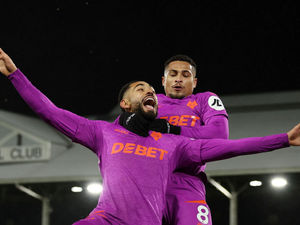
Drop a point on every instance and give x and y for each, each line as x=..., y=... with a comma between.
x=187, y=113
x=125, y=149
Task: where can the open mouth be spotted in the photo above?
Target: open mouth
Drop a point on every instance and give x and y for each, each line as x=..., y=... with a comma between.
x=177, y=88
x=149, y=102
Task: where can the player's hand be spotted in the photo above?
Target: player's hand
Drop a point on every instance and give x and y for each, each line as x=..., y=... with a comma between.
x=163, y=126
x=294, y=136
x=7, y=66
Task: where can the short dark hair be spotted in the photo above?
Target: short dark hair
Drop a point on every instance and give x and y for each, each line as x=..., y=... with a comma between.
x=180, y=57
x=123, y=90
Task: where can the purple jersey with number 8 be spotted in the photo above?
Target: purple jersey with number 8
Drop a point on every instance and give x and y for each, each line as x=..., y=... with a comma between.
x=135, y=169
x=186, y=188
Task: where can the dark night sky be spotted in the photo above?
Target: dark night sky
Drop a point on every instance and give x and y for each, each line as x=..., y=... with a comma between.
x=79, y=53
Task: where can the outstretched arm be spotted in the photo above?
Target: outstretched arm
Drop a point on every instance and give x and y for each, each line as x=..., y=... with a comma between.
x=207, y=150
x=223, y=149
x=218, y=149
x=65, y=121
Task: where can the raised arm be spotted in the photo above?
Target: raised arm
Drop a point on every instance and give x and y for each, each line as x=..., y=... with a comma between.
x=64, y=121
x=7, y=66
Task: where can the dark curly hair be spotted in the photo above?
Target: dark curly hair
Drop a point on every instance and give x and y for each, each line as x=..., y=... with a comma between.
x=123, y=90
x=180, y=57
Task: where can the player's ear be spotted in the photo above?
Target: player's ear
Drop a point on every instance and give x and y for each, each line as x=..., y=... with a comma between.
x=125, y=104
x=195, y=82
x=163, y=81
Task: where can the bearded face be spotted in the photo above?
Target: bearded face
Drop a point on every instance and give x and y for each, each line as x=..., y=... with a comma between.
x=141, y=98
x=149, y=114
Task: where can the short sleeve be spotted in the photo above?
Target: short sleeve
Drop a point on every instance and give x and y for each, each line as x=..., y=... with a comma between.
x=211, y=105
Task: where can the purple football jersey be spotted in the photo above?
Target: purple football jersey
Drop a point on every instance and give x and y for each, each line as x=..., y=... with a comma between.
x=191, y=111
x=135, y=169
x=191, y=114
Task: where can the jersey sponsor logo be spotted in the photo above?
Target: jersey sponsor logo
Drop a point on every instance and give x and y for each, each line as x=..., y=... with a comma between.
x=215, y=102
x=192, y=105
x=183, y=120
x=132, y=148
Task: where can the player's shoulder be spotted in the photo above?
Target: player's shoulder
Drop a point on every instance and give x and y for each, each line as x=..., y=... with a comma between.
x=205, y=94
x=205, y=97
x=102, y=124
x=161, y=97
x=210, y=99
x=175, y=139
x=179, y=141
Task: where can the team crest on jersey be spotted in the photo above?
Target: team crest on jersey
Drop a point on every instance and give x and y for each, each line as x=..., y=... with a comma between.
x=156, y=135
x=215, y=102
x=192, y=105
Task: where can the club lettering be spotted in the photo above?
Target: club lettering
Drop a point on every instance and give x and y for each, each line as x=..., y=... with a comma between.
x=26, y=153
